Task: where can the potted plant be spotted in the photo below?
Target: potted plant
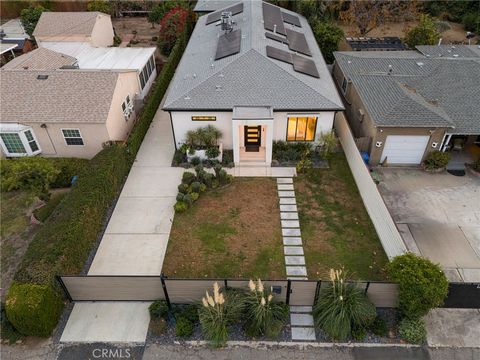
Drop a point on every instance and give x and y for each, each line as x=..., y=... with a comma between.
x=436, y=161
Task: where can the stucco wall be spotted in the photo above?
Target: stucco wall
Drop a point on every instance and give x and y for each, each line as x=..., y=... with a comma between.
x=102, y=34
x=117, y=126
x=63, y=38
x=182, y=123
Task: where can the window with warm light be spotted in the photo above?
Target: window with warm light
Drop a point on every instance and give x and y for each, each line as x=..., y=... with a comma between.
x=301, y=128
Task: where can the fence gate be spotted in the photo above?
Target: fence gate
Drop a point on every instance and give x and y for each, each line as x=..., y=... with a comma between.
x=463, y=295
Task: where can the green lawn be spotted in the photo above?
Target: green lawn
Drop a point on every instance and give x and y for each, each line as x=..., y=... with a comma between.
x=232, y=232
x=336, y=229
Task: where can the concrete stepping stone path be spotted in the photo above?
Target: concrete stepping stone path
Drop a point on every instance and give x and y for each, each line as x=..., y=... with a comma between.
x=301, y=319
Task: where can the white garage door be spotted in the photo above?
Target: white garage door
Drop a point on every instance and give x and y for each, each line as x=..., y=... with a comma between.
x=401, y=149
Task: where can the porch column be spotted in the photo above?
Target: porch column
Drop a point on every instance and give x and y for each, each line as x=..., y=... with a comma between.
x=235, y=142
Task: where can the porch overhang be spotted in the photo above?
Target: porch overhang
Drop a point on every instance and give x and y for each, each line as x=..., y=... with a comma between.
x=252, y=113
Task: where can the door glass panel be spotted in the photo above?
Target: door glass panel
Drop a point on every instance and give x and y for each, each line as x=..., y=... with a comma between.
x=292, y=125
x=301, y=128
x=311, y=126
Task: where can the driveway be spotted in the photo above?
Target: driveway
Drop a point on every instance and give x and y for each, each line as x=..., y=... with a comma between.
x=438, y=216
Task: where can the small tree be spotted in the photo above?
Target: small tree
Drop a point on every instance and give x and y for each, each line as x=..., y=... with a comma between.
x=99, y=5
x=171, y=26
x=425, y=33
x=30, y=17
x=422, y=284
x=328, y=36
x=155, y=15
x=328, y=143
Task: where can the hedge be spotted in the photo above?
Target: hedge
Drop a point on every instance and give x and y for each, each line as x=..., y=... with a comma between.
x=33, y=309
x=68, y=236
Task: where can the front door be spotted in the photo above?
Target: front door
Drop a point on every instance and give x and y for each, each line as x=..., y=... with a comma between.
x=253, y=138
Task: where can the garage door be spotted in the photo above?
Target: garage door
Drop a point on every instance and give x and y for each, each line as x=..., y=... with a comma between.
x=401, y=149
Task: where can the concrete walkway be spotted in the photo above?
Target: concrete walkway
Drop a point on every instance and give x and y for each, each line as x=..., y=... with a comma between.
x=134, y=242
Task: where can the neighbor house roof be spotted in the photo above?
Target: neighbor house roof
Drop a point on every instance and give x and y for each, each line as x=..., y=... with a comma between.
x=249, y=77
x=6, y=47
x=111, y=58
x=65, y=96
x=66, y=23
x=13, y=29
x=450, y=51
x=40, y=59
x=416, y=91
x=212, y=5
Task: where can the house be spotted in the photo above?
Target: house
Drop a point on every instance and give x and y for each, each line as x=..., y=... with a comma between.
x=49, y=107
x=259, y=77
x=93, y=28
x=12, y=32
x=409, y=103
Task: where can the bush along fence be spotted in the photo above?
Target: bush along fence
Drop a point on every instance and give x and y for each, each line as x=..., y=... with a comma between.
x=34, y=302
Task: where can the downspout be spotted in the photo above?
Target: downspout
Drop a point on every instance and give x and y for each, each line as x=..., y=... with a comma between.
x=44, y=126
x=173, y=130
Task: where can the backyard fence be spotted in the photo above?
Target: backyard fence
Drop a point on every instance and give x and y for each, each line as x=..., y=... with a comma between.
x=387, y=231
x=187, y=291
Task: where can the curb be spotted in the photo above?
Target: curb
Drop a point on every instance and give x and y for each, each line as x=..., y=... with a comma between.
x=301, y=344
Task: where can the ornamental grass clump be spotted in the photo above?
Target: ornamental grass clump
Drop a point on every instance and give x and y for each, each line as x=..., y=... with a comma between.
x=263, y=316
x=342, y=307
x=217, y=313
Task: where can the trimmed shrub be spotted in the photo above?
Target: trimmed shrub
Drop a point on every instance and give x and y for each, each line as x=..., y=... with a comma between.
x=208, y=179
x=203, y=188
x=158, y=309
x=212, y=152
x=188, y=178
x=7, y=332
x=33, y=309
x=412, y=331
x=188, y=200
x=422, y=284
x=195, y=187
x=437, y=160
x=195, y=161
x=359, y=333
x=189, y=312
x=342, y=307
x=183, y=188
x=69, y=167
x=180, y=197
x=180, y=206
x=183, y=327
x=378, y=327
x=194, y=196
x=45, y=211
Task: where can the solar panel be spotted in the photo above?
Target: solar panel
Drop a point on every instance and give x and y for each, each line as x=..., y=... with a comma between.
x=272, y=19
x=291, y=19
x=215, y=16
x=297, y=42
x=276, y=38
x=305, y=66
x=228, y=44
x=278, y=54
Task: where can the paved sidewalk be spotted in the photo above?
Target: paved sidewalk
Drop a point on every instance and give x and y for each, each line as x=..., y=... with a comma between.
x=134, y=242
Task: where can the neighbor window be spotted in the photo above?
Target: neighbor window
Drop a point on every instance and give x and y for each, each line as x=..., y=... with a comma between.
x=147, y=71
x=16, y=140
x=204, y=118
x=72, y=136
x=127, y=107
x=344, y=85
x=301, y=128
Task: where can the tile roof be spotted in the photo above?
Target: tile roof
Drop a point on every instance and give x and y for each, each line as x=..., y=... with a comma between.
x=40, y=59
x=66, y=96
x=416, y=91
x=66, y=23
x=248, y=78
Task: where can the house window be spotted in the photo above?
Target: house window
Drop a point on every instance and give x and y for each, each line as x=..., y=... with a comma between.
x=146, y=72
x=344, y=85
x=127, y=108
x=204, y=118
x=18, y=140
x=72, y=136
x=301, y=128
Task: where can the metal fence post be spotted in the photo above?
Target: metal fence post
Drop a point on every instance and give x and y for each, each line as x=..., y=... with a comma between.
x=164, y=287
x=317, y=291
x=65, y=290
x=289, y=290
x=366, y=287
x=225, y=282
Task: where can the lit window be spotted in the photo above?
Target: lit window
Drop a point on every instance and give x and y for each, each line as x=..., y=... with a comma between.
x=72, y=136
x=204, y=118
x=18, y=140
x=301, y=128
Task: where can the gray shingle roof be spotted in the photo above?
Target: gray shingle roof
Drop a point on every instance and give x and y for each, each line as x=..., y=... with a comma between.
x=449, y=51
x=66, y=96
x=212, y=5
x=419, y=92
x=248, y=78
x=66, y=23
x=40, y=59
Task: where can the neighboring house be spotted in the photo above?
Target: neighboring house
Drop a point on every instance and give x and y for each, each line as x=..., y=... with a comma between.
x=93, y=28
x=409, y=103
x=246, y=81
x=13, y=33
x=49, y=107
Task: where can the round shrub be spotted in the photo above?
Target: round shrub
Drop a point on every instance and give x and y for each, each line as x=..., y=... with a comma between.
x=359, y=333
x=195, y=187
x=215, y=184
x=437, y=160
x=183, y=327
x=379, y=327
x=189, y=312
x=208, y=179
x=422, y=284
x=188, y=199
x=412, y=331
x=180, y=197
x=188, y=178
x=195, y=161
x=33, y=309
x=203, y=188
x=180, y=206
x=194, y=196
x=183, y=188
x=212, y=152
x=158, y=309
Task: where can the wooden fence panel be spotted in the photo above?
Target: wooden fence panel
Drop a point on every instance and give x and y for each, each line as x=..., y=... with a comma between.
x=303, y=292
x=189, y=291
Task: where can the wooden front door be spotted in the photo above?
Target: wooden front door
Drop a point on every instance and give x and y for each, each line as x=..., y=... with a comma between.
x=253, y=138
